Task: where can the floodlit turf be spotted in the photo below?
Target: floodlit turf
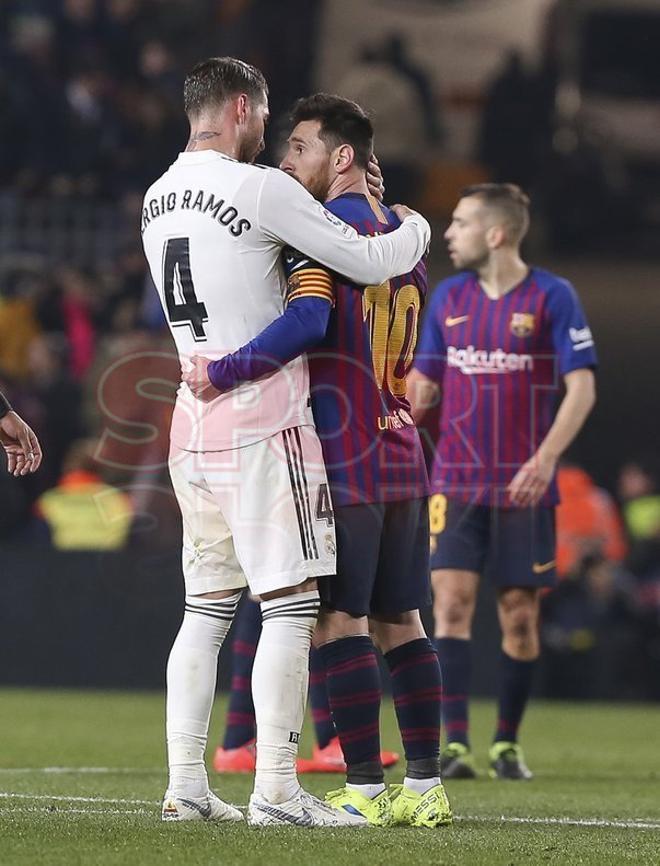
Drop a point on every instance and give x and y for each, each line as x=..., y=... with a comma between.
x=99, y=802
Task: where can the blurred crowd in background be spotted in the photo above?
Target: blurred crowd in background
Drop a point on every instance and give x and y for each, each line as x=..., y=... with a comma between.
x=91, y=114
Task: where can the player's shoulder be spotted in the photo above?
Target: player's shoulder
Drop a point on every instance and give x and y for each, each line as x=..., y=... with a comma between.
x=347, y=207
x=358, y=207
x=445, y=288
x=213, y=163
x=388, y=214
x=557, y=289
x=245, y=172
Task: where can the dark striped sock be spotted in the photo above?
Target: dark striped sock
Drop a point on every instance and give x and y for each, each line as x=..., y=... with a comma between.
x=318, y=699
x=240, y=715
x=354, y=694
x=455, y=663
x=416, y=690
x=515, y=687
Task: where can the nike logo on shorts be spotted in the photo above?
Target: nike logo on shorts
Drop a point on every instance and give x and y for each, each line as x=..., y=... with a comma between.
x=541, y=568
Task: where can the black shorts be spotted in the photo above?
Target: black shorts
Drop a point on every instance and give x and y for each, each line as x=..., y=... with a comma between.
x=382, y=559
x=514, y=546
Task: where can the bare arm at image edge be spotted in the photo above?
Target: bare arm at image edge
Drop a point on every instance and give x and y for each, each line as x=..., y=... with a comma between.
x=18, y=441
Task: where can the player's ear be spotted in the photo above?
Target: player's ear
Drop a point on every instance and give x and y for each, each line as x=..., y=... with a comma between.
x=343, y=158
x=495, y=236
x=242, y=105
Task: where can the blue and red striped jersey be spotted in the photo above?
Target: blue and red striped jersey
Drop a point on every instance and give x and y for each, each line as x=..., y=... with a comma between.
x=371, y=445
x=500, y=365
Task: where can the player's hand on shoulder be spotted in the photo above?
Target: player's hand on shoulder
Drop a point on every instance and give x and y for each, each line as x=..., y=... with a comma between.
x=402, y=211
x=375, y=181
x=532, y=480
x=20, y=445
x=196, y=377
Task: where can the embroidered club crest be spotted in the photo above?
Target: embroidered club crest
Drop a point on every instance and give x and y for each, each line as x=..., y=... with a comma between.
x=522, y=324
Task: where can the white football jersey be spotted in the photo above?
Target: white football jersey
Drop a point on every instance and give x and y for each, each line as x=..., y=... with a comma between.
x=213, y=230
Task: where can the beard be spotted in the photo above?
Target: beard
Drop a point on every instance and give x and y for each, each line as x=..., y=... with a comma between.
x=317, y=185
x=250, y=148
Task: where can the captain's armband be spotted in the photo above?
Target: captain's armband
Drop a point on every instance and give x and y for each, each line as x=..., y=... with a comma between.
x=306, y=278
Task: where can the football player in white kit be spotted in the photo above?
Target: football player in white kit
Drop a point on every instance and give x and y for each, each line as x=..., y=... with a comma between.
x=246, y=466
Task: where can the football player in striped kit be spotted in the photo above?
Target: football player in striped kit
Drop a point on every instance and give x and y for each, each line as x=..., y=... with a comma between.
x=246, y=465
x=499, y=340
x=377, y=494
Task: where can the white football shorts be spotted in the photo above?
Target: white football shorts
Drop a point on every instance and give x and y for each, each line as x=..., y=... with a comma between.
x=258, y=516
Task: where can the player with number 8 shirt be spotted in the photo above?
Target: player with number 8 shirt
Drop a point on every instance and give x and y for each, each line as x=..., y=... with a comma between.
x=498, y=339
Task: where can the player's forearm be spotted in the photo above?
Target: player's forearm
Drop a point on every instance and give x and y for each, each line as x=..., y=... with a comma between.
x=573, y=411
x=371, y=261
x=368, y=260
x=305, y=225
x=388, y=255
x=299, y=328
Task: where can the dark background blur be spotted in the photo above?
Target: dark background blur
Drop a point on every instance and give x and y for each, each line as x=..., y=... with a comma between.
x=561, y=97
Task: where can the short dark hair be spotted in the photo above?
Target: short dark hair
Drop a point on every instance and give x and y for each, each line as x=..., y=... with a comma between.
x=214, y=80
x=342, y=122
x=509, y=199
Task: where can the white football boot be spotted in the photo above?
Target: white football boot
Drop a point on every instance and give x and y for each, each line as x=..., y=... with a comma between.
x=303, y=810
x=209, y=808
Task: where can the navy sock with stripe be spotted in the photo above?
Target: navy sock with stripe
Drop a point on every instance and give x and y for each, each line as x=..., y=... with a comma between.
x=240, y=715
x=455, y=663
x=514, y=691
x=318, y=698
x=416, y=690
x=354, y=694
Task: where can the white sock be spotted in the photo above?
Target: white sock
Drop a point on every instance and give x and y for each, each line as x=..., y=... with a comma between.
x=370, y=790
x=421, y=786
x=192, y=671
x=279, y=691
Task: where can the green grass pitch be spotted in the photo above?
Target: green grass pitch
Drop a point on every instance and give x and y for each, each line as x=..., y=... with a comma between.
x=82, y=774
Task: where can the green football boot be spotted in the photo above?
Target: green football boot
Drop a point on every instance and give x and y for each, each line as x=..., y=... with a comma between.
x=508, y=762
x=457, y=762
x=377, y=811
x=431, y=809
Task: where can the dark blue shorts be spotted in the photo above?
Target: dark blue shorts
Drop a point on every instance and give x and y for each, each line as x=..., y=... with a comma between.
x=514, y=546
x=382, y=559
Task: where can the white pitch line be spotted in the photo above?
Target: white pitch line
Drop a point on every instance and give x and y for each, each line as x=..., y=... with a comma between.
x=81, y=770
x=640, y=824
x=569, y=822
x=10, y=795
x=31, y=810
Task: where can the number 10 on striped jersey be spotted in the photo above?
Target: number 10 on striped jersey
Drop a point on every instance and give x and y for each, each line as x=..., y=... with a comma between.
x=393, y=321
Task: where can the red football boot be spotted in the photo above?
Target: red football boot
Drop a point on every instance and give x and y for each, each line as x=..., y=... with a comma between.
x=241, y=760
x=331, y=759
